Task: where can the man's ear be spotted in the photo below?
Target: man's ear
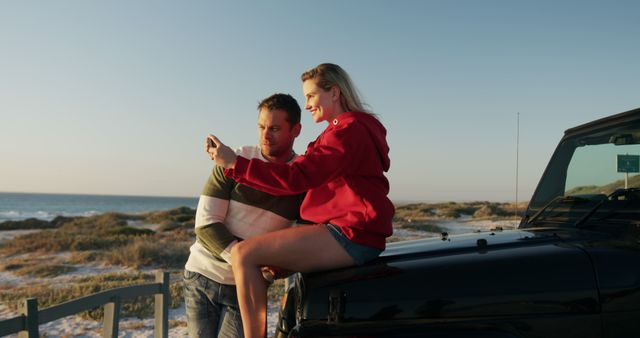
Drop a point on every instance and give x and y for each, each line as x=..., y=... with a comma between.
x=296, y=130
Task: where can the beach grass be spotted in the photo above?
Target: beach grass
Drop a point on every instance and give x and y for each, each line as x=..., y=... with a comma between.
x=109, y=239
x=102, y=240
x=160, y=250
x=49, y=295
x=42, y=270
x=481, y=210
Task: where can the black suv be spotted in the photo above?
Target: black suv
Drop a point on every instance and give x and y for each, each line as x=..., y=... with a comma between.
x=571, y=269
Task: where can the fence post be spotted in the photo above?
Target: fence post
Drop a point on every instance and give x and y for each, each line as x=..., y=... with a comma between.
x=29, y=309
x=111, y=318
x=161, y=329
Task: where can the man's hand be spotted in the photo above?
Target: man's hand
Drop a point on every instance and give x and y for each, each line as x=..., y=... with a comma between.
x=220, y=153
x=271, y=273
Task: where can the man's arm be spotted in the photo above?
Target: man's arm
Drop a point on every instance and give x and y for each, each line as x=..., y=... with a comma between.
x=210, y=230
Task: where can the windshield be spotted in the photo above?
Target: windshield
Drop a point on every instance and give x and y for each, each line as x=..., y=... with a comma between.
x=584, y=180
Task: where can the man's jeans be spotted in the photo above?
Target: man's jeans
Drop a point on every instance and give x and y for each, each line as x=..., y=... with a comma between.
x=212, y=308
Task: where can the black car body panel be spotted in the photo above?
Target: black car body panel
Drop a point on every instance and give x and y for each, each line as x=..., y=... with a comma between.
x=456, y=279
x=571, y=269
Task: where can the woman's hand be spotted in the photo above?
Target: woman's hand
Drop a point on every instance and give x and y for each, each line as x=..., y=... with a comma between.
x=220, y=153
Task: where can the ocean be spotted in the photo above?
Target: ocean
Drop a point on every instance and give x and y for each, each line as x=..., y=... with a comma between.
x=20, y=206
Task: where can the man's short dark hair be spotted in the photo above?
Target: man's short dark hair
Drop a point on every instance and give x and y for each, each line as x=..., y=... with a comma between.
x=284, y=102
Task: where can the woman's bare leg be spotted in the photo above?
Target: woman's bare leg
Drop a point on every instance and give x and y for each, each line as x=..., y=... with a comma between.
x=301, y=249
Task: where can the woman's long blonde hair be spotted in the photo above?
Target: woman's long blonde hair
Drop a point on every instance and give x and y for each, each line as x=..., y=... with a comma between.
x=328, y=75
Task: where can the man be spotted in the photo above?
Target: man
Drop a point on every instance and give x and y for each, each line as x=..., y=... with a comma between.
x=228, y=212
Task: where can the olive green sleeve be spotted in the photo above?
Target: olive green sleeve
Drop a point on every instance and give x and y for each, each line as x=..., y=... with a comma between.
x=214, y=237
x=210, y=229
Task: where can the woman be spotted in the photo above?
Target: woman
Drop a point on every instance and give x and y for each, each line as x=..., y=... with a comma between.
x=342, y=172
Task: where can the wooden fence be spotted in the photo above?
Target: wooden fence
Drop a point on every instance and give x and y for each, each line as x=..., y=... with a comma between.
x=26, y=324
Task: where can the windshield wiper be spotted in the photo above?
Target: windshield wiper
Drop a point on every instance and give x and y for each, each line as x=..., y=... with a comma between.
x=556, y=201
x=615, y=194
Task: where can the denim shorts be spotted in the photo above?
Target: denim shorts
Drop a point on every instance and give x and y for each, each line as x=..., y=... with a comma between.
x=359, y=253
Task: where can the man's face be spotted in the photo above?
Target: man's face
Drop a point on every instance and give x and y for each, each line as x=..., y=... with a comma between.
x=276, y=135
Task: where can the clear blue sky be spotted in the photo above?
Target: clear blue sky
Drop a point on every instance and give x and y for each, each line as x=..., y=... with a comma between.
x=116, y=97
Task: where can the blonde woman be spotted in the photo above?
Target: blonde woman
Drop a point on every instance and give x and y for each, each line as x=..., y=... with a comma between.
x=342, y=172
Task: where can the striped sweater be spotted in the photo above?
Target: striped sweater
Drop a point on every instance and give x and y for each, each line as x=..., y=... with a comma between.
x=228, y=211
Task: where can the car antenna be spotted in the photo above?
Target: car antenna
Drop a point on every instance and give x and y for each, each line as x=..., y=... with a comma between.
x=517, y=159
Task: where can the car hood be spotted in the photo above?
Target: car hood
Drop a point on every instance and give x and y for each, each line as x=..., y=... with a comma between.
x=488, y=240
x=537, y=271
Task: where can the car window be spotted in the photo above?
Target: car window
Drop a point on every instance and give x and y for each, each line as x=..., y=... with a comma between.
x=601, y=169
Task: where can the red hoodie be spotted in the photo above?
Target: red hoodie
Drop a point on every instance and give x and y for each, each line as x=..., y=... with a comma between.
x=342, y=173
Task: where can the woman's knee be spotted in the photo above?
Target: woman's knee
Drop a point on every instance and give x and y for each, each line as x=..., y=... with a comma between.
x=240, y=255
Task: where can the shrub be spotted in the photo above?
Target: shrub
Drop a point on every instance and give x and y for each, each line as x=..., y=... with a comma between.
x=60, y=220
x=149, y=251
x=12, y=267
x=83, y=257
x=178, y=215
x=422, y=226
x=42, y=241
x=95, y=242
x=29, y=223
x=39, y=267
x=428, y=211
x=129, y=231
x=485, y=211
x=44, y=270
x=101, y=232
x=168, y=226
